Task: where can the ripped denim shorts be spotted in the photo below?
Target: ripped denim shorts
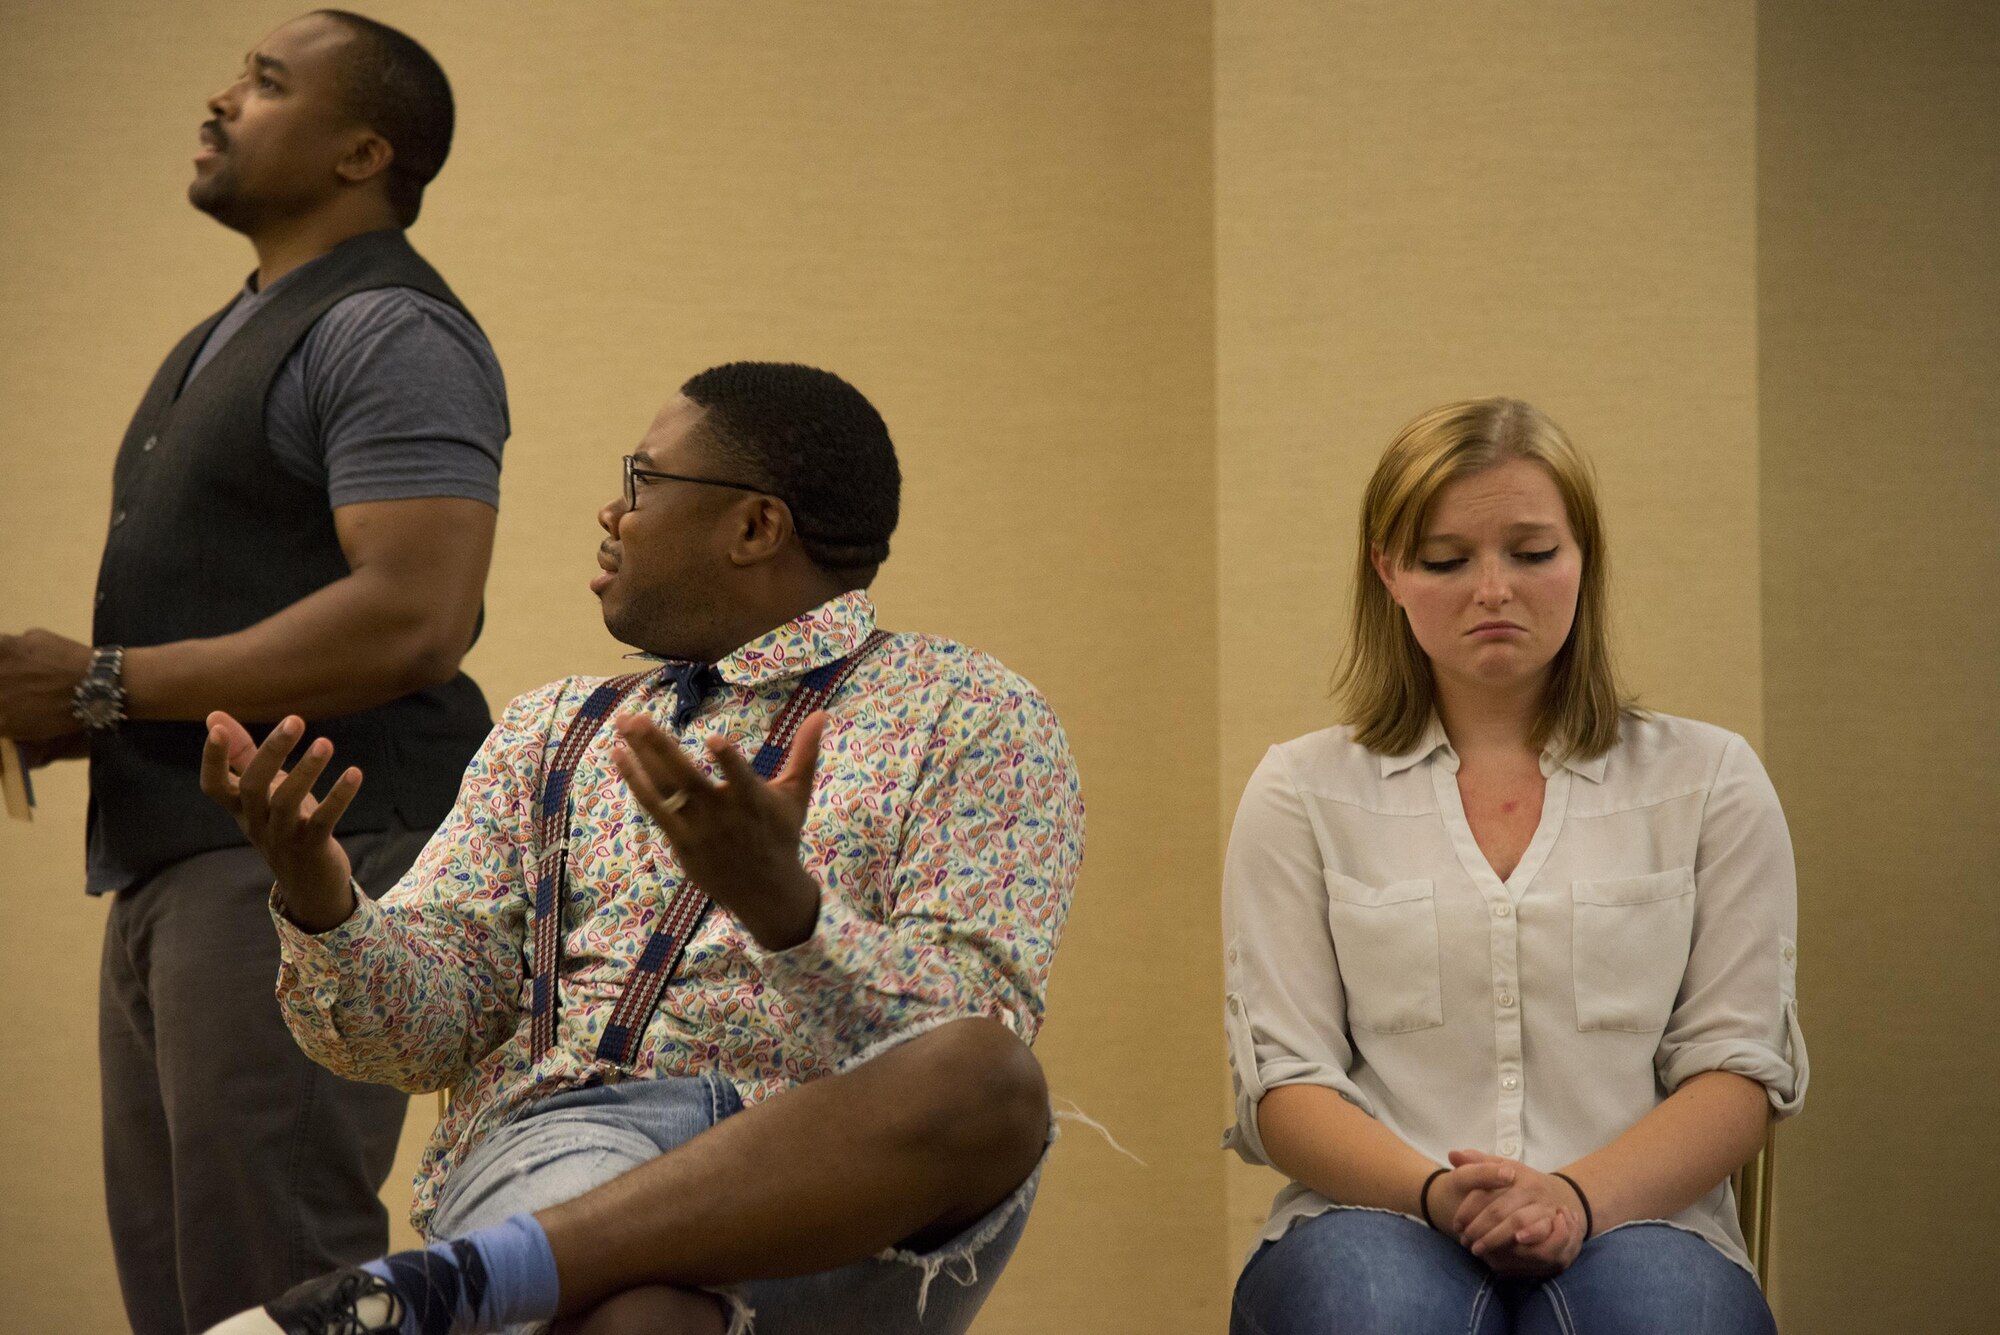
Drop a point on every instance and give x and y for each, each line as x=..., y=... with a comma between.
x=565, y=1145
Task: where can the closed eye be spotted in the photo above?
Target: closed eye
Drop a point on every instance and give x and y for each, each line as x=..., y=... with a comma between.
x=1449, y=564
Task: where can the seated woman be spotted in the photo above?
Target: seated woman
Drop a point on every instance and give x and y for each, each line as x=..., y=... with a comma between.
x=1510, y=963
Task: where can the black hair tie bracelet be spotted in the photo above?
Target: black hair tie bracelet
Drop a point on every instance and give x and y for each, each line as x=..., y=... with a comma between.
x=1424, y=1198
x=1589, y=1225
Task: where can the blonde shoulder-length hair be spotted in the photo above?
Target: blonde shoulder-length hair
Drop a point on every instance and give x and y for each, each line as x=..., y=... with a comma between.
x=1383, y=686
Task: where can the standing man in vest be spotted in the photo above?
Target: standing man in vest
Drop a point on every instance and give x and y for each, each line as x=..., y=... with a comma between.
x=301, y=519
x=731, y=963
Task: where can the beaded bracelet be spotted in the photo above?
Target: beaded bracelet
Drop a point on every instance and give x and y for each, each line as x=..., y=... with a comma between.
x=1588, y=1223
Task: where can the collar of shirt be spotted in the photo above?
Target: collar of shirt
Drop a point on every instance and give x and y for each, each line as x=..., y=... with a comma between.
x=1435, y=741
x=830, y=631
x=251, y=292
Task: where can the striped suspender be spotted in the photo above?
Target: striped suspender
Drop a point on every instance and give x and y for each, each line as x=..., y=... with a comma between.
x=552, y=849
x=814, y=690
x=689, y=906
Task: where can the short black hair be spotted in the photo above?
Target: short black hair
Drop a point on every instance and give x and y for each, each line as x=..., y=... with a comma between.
x=397, y=89
x=815, y=443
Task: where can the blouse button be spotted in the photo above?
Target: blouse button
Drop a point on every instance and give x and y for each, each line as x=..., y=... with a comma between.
x=1509, y=1082
x=1510, y=1149
x=1506, y=999
x=1502, y=910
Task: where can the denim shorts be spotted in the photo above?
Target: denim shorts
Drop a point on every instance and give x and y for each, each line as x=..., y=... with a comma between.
x=565, y=1145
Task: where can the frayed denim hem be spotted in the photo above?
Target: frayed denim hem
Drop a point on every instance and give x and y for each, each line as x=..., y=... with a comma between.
x=959, y=1258
x=956, y=1259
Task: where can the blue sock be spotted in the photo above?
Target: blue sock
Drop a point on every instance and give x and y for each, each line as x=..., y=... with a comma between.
x=485, y=1281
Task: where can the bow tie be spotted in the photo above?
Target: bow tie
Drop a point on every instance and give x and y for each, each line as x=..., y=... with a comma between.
x=692, y=684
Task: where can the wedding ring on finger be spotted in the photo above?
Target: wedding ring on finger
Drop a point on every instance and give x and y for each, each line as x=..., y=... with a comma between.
x=674, y=801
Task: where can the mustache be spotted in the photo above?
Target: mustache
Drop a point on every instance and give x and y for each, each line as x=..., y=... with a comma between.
x=212, y=135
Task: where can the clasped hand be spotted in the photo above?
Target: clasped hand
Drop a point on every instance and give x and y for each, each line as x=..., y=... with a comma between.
x=1515, y=1219
x=737, y=839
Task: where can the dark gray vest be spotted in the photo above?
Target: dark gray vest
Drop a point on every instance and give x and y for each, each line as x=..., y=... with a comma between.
x=209, y=534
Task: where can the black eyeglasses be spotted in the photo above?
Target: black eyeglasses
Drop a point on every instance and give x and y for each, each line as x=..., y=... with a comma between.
x=633, y=473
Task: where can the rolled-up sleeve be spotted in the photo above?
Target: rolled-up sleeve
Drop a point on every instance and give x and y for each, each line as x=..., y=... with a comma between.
x=1737, y=1009
x=1286, y=1011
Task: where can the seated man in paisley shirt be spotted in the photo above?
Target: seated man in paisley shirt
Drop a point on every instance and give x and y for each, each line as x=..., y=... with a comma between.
x=732, y=964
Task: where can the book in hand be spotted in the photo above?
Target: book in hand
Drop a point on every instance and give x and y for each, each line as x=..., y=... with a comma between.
x=15, y=781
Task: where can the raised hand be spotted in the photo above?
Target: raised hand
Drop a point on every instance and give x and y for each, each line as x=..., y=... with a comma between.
x=1532, y=1225
x=738, y=839
x=277, y=812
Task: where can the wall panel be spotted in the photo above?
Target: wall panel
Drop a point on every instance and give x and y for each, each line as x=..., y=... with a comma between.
x=1879, y=201
x=994, y=219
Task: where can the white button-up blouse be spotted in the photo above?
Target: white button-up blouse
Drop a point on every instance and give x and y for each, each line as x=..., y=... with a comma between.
x=1646, y=936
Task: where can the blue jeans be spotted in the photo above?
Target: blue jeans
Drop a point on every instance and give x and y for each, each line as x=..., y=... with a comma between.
x=563, y=1146
x=1369, y=1272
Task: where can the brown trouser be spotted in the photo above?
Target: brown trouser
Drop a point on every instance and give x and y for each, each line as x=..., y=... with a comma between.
x=234, y=1167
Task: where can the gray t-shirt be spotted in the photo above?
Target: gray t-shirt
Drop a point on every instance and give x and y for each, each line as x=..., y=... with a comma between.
x=392, y=395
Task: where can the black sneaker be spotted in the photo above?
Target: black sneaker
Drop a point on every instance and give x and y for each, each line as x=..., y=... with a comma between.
x=346, y=1302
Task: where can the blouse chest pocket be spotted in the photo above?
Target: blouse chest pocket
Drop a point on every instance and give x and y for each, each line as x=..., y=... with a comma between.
x=1631, y=939
x=1385, y=939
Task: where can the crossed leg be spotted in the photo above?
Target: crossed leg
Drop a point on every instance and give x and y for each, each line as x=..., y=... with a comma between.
x=911, y=1147
x=656, y=1309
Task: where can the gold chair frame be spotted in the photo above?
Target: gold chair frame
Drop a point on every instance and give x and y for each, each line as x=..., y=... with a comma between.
x=1755, y=1183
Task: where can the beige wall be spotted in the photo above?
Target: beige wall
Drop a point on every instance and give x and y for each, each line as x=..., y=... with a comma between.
x=995, y=219
x=1879, y=205
x=1141, y=292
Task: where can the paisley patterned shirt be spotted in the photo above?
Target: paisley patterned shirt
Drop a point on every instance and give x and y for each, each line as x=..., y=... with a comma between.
x=945, y=831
